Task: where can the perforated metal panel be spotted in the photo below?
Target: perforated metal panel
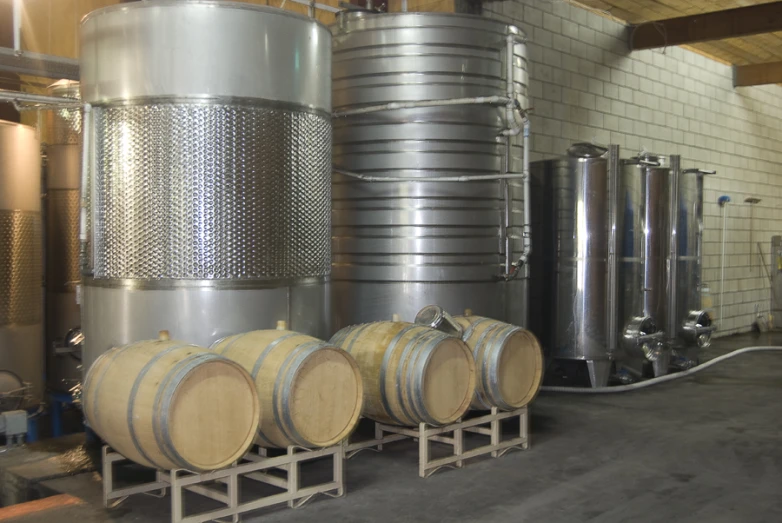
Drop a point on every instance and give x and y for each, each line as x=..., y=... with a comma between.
x=211, y=191
x=20, y=268
x=64, y=127
x=62, y=239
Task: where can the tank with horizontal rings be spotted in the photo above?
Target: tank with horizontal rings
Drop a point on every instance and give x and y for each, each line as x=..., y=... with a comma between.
x=399, y=246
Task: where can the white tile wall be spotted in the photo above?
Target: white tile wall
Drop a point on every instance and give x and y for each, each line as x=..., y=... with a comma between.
x=586, y=85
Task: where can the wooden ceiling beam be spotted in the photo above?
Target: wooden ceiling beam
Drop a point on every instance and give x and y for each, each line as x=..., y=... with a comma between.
x=719, y=25
x=757, y=74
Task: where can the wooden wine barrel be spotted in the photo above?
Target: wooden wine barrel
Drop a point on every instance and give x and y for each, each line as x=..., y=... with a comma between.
x=412, y=373
x=310, y=391
x=508, y=359
x=171, y=405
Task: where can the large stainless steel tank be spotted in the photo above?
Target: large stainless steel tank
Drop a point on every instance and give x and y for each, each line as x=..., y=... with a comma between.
x=210, y=150
x=570, y=264
x=21, y=278
x=688, y=325
x=63, y=172
x=643, y=229
x=400, y=246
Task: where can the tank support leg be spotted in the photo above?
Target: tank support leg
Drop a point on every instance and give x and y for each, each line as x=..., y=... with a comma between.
x=661, y=364
x=598, y=372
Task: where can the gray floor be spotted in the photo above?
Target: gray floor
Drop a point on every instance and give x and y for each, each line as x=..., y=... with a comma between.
x=706, y=448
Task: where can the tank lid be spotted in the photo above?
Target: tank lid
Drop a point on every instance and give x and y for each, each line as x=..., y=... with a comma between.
x=586, y=150
x=652, y=158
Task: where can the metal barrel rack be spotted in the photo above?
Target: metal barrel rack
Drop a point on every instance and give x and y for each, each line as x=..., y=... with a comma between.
x=224, y=485
x=486, y=425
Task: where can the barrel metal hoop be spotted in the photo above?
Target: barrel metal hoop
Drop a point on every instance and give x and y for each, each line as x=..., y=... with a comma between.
x=472, y=327
x=339, y=338
x=481, y=392
x=411, y=346
x=266, y=442
x=221, y=340
x=134, y=391
x=267, y=350
x=296, y=359
x=99, y=382
x=488, y=390
x=89, y=379
x=172, y=381
x=384, y=368
x=357, y=333
x=492, y=364
x=416, y=383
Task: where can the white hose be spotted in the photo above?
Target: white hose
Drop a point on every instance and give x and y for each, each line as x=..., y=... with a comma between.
x=661, y=379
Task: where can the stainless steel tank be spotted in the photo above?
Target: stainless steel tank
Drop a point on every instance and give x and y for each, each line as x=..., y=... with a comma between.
x=209, y=144
x=643, y=229
x=689, y=326
x=21, y=272
x=399, y=246
x=62, y=137
x=570, y=264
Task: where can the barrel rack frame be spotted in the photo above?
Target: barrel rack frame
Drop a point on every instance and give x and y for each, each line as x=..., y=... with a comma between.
x=486, y=425
x=255, y=465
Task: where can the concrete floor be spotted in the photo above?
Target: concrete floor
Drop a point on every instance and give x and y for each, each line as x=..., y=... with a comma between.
x=706, y=448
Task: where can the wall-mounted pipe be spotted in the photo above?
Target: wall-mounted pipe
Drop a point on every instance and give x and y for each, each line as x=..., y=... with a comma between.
x=723, y=202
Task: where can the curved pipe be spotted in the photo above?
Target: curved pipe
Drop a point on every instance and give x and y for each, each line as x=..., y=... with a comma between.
x=478, y=100
x=663, y=379
x=466, y=178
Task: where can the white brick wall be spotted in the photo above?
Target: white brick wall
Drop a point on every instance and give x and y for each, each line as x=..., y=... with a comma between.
x=586, y=85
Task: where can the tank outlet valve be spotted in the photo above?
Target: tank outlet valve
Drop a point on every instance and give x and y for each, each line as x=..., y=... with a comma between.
x=436, y=317
x=643, y=339
x=698, y=328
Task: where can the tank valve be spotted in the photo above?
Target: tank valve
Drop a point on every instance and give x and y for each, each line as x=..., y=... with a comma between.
x=643, y=339
x=435, y=317
x=698, y=328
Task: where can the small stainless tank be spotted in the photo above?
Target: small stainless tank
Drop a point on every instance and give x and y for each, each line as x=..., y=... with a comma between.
x=689, y=325
x=21, y=277
x=570, y=263
x=210, y=171
x=62, y=137
x=643, y=230
x=400, y=246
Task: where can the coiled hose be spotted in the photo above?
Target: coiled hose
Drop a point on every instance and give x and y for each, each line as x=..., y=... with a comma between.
x=661, y=379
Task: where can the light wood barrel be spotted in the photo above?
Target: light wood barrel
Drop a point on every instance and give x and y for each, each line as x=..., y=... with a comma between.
x=310, y=391
x=508, y=359
x=412, y=373
x=171, y=405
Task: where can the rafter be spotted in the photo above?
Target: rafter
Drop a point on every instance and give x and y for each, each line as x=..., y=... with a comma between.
x=719, y=25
